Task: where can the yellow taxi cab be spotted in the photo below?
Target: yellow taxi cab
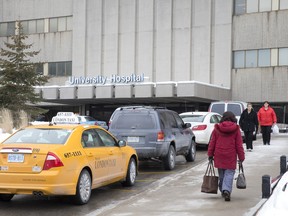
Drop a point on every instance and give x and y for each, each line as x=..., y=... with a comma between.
x=64, y=159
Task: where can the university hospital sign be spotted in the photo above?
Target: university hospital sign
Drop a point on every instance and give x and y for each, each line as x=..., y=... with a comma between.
x=102, y=80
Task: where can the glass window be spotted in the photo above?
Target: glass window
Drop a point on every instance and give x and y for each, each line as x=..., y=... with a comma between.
x=68, y=68
x=3, y=29
x=134, y=121
x=69, y=23
x=251, y=58
x=106, y=138
x=283, y=4
x=40, y=25
x=252, y=6
x=239, y=60
x=52, y=69
x=218, y=108
x=60, y=69
x=264, y=58
x=40, y=69
x=234, y=108
x=36, y=136
x=53, y=25
x=11, y=28
x=239, y=7
x=265, y=5
x=25, y=28
x=32, y=26
x=62, y=24
x=283, y=56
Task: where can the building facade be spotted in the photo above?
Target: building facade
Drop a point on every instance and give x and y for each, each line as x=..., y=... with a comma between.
x=181, y=54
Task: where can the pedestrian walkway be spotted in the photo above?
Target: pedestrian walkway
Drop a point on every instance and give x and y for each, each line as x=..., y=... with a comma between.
x=179, y=194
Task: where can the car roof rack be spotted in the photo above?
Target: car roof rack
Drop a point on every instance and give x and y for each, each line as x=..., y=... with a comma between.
x=141, y=107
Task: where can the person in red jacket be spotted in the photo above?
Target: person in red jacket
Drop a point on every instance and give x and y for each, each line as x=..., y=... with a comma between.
x=267, y=118
x=224, y=147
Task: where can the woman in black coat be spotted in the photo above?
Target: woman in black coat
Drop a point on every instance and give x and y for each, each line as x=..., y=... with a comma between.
x=249, y=123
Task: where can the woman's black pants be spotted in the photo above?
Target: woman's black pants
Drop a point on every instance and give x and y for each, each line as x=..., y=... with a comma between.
x=266, y=134
x=248, y=139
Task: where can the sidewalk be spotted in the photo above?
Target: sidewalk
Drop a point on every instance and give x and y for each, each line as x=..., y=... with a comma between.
x=180, y=194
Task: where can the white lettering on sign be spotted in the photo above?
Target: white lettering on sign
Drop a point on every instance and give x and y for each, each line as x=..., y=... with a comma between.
x=65, y=118
x=133, y=78
x=65, y=114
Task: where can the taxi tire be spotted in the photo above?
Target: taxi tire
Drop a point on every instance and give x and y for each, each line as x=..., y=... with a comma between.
x=84, y=180
x=131, y=173
x=6, y=197
x=190, y=157
x=170, y=159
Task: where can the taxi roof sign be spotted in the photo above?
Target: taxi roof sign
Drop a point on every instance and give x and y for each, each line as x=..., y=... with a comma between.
x=65, y=118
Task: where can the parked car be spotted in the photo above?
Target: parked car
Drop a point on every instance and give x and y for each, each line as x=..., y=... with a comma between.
x=154, y=132
x=202, y=124
x=236, y=107
x=64, y=159
x=92, y=121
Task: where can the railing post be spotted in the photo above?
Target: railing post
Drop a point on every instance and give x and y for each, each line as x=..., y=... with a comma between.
x=283, y=164
x=266, y=186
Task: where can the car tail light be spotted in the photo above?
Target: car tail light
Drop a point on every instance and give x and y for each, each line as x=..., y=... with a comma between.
x=51, y=161
x=199, y=127
x=160, y=136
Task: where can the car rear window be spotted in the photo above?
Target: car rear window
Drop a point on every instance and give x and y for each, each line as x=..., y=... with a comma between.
x=134, y=121
x=192, y=118
x=39, y=136
x=218, y=108
x=234, y=108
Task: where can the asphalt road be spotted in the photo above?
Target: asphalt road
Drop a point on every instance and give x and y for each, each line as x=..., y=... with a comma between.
x=102, y=199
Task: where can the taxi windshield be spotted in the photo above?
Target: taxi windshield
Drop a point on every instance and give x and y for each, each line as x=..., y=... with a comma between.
x=39, y=136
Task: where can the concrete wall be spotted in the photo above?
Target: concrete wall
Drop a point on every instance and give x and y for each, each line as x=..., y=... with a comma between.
x=257, y=31
x=260, y=84
x=167, y=40
x=260, y=30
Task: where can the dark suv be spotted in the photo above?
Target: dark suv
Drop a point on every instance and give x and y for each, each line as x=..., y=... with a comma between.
x=154, y=132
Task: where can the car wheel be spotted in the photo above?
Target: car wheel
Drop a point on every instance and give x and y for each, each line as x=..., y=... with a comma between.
x=169, y=160
x=131, y=173
x=83, y=190
x=190, y=157
x=6, y=197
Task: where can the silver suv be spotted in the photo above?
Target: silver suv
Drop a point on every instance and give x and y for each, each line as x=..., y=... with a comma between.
x=154, y=132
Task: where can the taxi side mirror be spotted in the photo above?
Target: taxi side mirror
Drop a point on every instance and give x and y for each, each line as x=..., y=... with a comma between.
x=122, y=143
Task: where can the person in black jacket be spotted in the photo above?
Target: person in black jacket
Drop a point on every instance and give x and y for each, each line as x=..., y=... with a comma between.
x=249, y=123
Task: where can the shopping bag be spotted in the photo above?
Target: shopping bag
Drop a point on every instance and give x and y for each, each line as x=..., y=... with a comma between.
x=241, y=180
x=210, y=180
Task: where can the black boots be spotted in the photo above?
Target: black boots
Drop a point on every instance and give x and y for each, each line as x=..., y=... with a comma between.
x=226, y=195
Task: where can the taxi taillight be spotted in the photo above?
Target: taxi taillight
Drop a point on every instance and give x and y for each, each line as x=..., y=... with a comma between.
x=51, y=161
x=160, y=136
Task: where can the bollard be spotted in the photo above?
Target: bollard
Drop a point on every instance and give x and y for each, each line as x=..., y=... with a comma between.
x=266, y=186
x=283, y=164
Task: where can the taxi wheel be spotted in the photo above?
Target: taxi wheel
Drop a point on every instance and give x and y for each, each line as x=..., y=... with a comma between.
x=83, y=190
x=190, y=157
x=6, y=197
x=131, y=173
x=169, y=160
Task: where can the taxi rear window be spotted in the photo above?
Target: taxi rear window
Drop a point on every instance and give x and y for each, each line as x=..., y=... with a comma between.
x=39, y=136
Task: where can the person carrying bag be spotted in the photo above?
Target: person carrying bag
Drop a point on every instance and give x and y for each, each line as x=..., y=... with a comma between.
x=224, y=148
x=210, y=180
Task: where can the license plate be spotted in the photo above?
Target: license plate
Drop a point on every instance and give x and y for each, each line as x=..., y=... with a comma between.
x=133, y=139
x=15, y=158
